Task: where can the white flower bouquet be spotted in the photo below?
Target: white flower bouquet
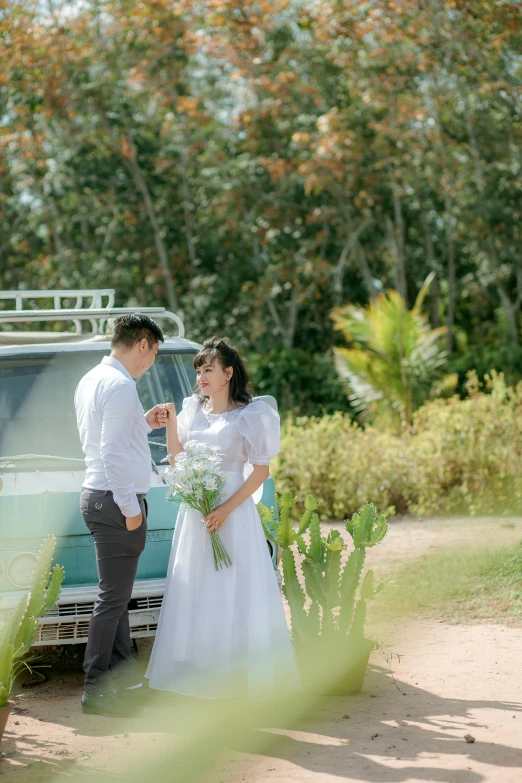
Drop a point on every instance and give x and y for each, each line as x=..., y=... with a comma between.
x=198, y=483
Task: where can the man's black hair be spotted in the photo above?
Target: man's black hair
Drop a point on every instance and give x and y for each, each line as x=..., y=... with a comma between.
x=130, y=329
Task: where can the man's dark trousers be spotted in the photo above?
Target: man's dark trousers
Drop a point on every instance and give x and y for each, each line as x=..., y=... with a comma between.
x=117, y=554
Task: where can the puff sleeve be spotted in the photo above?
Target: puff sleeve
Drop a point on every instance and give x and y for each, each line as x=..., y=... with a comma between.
x=186, y=416
x=259, y=425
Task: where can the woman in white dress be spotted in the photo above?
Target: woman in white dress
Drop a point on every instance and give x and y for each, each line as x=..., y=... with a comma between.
x=223, y=634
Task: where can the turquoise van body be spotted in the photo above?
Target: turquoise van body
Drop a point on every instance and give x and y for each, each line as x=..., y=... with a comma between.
x=42, y=470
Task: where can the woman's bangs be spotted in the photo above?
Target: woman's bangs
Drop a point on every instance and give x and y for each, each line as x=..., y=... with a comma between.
x=207, y=356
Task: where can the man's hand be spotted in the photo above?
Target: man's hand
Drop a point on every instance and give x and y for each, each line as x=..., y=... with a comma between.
x=167, y=414
x=156, y=417
x=133, y=523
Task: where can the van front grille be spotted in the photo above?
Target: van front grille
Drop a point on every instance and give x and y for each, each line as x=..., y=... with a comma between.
x=72, y=621
x=54, y=633
x=76, y=632
x=73, y=610
x=150, y=602
x=86, y=607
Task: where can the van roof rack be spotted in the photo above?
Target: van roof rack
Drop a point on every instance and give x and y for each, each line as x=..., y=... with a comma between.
x=99, y=313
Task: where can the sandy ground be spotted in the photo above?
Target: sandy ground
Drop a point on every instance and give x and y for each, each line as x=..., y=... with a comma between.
x=452, y=680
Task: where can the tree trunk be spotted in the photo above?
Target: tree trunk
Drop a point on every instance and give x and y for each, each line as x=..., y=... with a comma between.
x=399, y=244
x=338, y=270
x=187, y=198
x=136, y=173
x=510, y=308
x=398, y=267
x=365, y=271
x=108, y=236
x=450, y=244
x=286, y=331
x=448, y=228
x=186, y=209
x=434, y=288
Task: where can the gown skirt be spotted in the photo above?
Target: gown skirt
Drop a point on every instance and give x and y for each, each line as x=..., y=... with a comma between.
x=222, y=634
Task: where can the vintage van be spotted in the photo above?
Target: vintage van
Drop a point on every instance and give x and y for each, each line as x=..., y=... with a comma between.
x=41, y=462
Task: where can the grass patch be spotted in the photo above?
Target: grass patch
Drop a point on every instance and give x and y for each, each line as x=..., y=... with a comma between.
x=477, y=584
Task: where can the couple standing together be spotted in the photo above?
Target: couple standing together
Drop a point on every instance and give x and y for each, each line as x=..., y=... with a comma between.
x=221, y=634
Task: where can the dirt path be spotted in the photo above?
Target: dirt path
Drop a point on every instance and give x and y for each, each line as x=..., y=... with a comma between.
x=452, y=680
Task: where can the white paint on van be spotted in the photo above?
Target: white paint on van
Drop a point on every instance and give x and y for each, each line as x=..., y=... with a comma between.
x=56, y=481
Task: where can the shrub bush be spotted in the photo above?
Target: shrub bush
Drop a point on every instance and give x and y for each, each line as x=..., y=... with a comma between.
x=459, y=457
x=345, y=465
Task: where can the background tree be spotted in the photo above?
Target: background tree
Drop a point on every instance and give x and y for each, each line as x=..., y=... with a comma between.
x=256, y=167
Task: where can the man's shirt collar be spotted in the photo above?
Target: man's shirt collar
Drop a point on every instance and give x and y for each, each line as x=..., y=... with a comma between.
x=112, y=362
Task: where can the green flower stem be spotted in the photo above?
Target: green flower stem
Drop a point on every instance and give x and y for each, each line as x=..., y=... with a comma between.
x=221, y=556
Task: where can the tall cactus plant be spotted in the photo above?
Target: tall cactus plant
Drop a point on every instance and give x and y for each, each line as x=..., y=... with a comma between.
x=19, y=631
x=332, y=607
x=366, y=530
x=280, y=531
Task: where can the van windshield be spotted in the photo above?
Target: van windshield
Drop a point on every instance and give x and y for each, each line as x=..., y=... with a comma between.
x=37, y=403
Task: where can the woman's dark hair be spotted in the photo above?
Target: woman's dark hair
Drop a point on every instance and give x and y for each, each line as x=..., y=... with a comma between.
x=131, y=329
x=240, y=388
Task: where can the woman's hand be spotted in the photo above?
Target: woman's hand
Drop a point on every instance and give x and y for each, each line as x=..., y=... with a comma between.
x=166, y=414
x=154, y=416
x=216, y=518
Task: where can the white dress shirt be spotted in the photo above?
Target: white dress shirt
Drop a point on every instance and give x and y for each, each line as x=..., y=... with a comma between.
x=113, y=432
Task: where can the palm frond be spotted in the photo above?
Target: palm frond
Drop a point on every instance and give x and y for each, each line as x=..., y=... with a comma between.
x=360, y=391
x=393, y=354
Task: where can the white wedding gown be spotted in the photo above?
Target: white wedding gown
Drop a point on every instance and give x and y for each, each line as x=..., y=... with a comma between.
x=223, y=634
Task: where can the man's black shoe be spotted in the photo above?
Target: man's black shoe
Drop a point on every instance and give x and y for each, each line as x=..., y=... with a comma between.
x=107, y=704
x=134, y=696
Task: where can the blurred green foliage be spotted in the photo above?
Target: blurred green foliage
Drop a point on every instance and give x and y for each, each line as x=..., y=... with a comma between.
x=19, y=630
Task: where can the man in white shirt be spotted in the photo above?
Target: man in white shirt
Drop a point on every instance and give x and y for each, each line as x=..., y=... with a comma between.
x=113, y=430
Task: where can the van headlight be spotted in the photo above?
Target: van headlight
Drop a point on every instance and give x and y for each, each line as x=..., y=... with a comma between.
x=20, y=569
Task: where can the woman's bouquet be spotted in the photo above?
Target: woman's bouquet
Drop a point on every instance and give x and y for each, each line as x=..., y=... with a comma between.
x=197, y=482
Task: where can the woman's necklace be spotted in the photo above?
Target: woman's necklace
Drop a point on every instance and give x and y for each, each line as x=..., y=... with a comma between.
x=218, y=413
x=228, y=409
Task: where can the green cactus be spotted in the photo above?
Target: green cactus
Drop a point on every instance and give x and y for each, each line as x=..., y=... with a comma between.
x=267, y=516
x=314, y=581
x=279, y=530
x=366, y=528
x=285, y=532
x=14, y=626
x=368, y=590
x=313, y=624
x=294, y=593
x=19, y=631
x=6, y=669
x=40, y=576
x=334, y=548
x=349, y=583
x=311, y=505
x=316, y=549
x=301, y=545
x=333, y=604
x=53, y=591
x=282, y=532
